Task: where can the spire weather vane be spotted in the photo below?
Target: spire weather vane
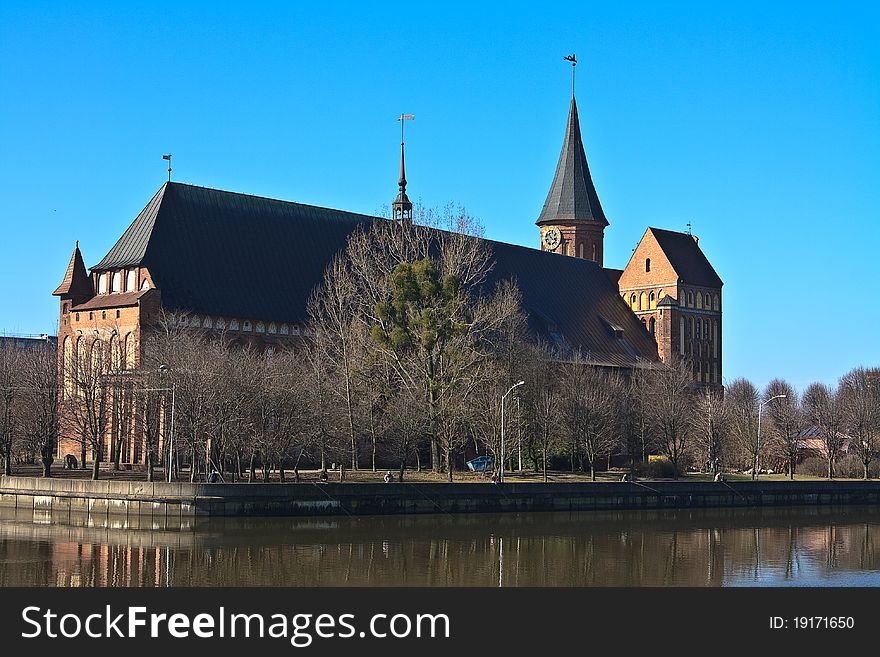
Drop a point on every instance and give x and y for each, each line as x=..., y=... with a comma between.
x=168, y=157
x=573, y=59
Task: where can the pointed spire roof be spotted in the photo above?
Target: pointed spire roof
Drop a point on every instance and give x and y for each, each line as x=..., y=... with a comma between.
x=76, y=281
x=402, y=198
x=572, y=197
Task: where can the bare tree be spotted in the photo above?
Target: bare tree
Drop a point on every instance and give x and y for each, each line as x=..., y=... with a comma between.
x=543, y=401
x=40, y=424
x=785, y=418
x=860, y=402
x=741, y=400
x=823, y=406
x=87, y=410
x=11, y=391
x=710, y=424
x=669, y=406
x=590, y=398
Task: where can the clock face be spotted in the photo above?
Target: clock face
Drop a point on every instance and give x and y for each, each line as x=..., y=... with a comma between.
x=551, y=238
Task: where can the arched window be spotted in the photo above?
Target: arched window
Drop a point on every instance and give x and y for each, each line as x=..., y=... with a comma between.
x=690, y=327
x=643, y=301
x=66, y=364
x=690, y=299
x=632, y=301
x=595, y=256
x=716, y=340
x=115, y=355
x=581, y=250
x=116, y=285
x=102, y=283
x=129, y=351
x=652, y=301
x=697, y=331
x=708, y=301
x=706, y=329
x=661, y=294
x=681, y=335
x=652, y=326
x=647, y=265
x=716, y=304
x=699, y=300
x=131, y=280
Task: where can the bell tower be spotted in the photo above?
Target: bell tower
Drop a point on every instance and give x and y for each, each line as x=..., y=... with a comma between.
x=572, y=221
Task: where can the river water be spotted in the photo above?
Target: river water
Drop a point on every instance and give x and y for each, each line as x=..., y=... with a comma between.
x=800, y=546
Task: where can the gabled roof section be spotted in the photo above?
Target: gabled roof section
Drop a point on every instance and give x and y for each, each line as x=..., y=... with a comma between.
x=220, y=253
x=686, y=258
x=76, y=282
x=131, y=248
x=572, y=197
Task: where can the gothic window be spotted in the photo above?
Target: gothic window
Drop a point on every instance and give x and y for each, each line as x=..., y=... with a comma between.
x=699, y=300
x=643, y=301
x=690, y=299
x=708, y=301
x=652, y=301
x=581, y=250
x=647, y=265
x=716, y=340
x=706, y=329
x=715, y=303
x=114, y=353
x=661, y=294
x=632, y=301
x=681, y=335
x=697, y=330
x=653, y=327
x=116, y=285
x=690, y=327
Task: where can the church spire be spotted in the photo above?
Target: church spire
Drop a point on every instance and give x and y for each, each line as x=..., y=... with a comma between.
x=401, y=209
x=76, y=284
x=572, y=196
x=572, y=220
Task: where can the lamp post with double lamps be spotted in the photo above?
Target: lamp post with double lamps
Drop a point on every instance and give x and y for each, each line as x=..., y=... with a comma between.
x=503, y=398
x=758, y=450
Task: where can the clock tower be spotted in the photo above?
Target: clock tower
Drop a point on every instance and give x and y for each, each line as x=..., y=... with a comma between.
x=572, y=221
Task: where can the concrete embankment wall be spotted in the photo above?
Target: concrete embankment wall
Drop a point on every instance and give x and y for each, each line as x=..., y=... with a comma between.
x=60, y=497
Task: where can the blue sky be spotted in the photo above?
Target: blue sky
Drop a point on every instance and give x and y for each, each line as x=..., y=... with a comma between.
x=759, y=123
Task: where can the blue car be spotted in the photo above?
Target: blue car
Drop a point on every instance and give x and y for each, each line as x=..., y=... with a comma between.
x=481, y=464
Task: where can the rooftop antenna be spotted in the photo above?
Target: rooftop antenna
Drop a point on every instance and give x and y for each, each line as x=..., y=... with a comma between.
x=168, y=157
x=689, y=229
x=573, y=59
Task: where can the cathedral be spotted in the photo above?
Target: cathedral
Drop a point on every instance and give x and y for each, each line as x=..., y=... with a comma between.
x=247, y=265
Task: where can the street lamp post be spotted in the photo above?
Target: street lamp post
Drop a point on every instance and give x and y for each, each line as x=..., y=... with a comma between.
x=503, y=398
x=758, y=450
x=170, y=464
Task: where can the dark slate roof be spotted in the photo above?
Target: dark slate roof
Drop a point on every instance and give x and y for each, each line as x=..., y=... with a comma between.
x=686, y=258
x=572, y=197
x=76, y=282
x=667, y=301
x=222, y=253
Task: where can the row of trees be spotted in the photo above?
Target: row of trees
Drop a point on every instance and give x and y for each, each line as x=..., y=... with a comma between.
x=407, y=355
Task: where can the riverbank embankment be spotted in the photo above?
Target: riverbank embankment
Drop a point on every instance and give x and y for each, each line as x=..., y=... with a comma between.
x=185, y=500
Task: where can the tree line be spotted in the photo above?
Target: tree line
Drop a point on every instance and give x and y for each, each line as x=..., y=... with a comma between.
x=406, y=356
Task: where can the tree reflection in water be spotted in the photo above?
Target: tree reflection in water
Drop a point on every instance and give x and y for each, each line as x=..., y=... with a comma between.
x=719, y=547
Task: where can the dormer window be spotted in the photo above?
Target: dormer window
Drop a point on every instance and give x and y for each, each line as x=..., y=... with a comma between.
x=102, y=283
x=116, y=282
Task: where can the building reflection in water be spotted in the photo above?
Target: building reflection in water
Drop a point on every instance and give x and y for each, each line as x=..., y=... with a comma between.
x=721, y=547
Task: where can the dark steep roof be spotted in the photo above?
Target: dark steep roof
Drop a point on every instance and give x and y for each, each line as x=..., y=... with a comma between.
x=687, y=258
x=572, y=197
x=221, y=253
x=76, y=282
